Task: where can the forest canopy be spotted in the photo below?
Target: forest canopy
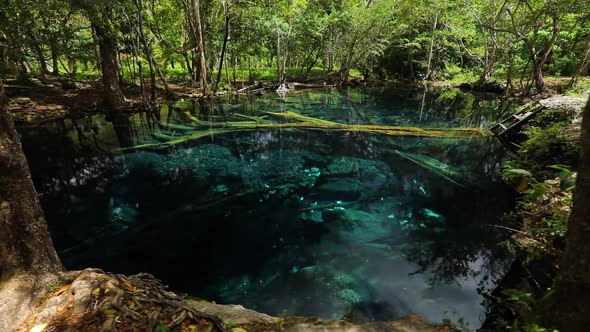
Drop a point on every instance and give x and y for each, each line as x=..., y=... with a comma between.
x=219, y=43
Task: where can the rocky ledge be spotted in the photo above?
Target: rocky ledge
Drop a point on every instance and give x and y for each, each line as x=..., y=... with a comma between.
x=92, y=300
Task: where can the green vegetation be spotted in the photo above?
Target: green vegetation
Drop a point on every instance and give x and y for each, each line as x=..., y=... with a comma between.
x=551, y=139
x=542, y=171
x=513, y=47
x=513, y=42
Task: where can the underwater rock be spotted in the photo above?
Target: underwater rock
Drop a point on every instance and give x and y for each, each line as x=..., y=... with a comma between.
x=278, y=168
x=313, y=216
x=123, y=214
x=351, y=178
x=347, y=189
x=364, y=227
x=348, y=297
x=214, y=159
x=345, y=166
x=203, y=161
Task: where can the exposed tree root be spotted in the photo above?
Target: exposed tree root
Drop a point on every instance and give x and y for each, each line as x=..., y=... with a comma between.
x=96, y=301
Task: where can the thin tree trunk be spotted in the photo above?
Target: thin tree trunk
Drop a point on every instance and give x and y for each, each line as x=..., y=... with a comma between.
x=40, y=58
x=25, y=244
x=431, y=51
x=113, y=96
x=569, y=302
x=279, y=71
x=73, y=66
x=509, y=74
x=539, y=61
x=54, y=61
x=163, y=79
x=581, y=65
x=3, y=55
x=538, y=77
x=152, y=101
x=225, y=39
x=187, y=62
x=201, y=48
x=135, y=47
x=250, y=80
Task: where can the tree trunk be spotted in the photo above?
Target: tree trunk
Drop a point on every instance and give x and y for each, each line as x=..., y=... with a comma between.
x=54, y=61
x=225, y=39
x=539, y=61
x=113, y=96
x=187, y=62
x=73, y=66
x=201, y=47
x=431, y=51
x=279, y=71
x=41, y=58
x=509, y=74
x=153, y=101
x=25, y=244
x=571, y=296
x=581, y=65
x=538, y=76
x=489, y=59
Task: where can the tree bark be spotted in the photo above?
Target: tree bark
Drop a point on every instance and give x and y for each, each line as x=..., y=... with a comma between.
x=431, y=50
x=201, y=47
x=581, y=65
x=54, y=61
x=113, y=96
x=225, y=39
x=539, y=61
x=538, y=77
x=153, y=101
x=25, y=244
x=279, y=71
x=569, y=302
x=40, y=58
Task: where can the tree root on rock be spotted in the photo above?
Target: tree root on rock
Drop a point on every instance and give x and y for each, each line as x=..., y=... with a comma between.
x=92, y=300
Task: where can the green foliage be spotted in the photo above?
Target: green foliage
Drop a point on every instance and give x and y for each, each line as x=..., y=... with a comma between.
x=523, y=306
x=580, y=89
x=536, y=192
x=511, y=173
x=548, y=146
x=161, y=328
x=455, y=40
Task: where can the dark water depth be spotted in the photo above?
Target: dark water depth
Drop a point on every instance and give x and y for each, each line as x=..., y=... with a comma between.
x=287, y=221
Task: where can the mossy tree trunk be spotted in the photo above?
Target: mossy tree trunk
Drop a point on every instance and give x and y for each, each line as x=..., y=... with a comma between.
x=570, y=302
x=25, y=244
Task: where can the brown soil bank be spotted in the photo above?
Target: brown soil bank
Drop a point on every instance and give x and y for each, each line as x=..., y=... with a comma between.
x=35, y=102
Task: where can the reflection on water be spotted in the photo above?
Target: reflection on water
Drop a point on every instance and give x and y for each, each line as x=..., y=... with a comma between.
x=288, y=220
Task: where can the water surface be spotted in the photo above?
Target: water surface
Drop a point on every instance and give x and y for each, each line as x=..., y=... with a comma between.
x=288, y=221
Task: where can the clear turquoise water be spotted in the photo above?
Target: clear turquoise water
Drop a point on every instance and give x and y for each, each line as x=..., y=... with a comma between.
x=299, y=222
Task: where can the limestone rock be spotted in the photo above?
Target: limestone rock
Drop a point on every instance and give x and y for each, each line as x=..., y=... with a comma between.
x=233, y=314
x=408, y=324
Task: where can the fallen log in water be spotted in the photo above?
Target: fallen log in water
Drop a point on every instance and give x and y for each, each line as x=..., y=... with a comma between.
x=210, y=128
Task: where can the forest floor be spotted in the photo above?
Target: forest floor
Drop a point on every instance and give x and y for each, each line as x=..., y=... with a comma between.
x=39, y=102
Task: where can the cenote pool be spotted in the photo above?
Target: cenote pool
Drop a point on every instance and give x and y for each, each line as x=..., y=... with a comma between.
x=287, y=221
